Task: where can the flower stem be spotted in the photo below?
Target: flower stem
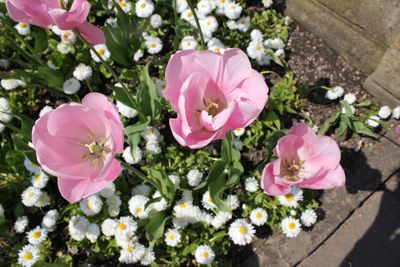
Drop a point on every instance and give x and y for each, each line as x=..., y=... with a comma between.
x=133, y=170
x=229, y=140
x=196, y=18
x=115, y=76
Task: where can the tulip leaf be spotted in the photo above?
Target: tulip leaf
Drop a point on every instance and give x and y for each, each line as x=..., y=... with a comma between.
x=155, y=225
x=117, y=44
x=216, y=184
x=41, y=43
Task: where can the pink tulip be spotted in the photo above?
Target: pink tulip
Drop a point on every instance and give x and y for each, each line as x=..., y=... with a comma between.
x=212, y=94
x=47, y=13
x=304, y=160
x=77, y=144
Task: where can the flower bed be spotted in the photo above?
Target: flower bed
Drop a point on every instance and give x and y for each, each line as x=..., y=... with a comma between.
x=125, y=150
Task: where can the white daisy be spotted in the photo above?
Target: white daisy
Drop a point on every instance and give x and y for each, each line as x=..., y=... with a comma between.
x=221, y=218
x=92, y=232
x=280, y=52
x=256, y=35
x=23, y=28
x=148, y=257
x=384, y=112
x=28, y=255
x=10, y=84
x=4, y=110
x=267, y=3
x=172, y=237
x=241, y=232
x=36, y=235
x=151, y=134
x=31, y=166
x=112, y=22
x=188, y=16
x=209, y=24
x=77, y=227
x=71, y=86
x=126, y=6
x=64, y=48
x=45, y=110
x=144, y=8
x=43, y=201
x=350, y=98
x=308, y=217
x=20, y=224
x=293, y=213
x=258, y=216
x=396, y=113
x=243, y=24
x=174, y=179
x=233, y=10
x=132, y=253
x=291, y=199
x=239, y=132
x=232, y=25
x=188, y=43
x=108, y=227
x=373, y=121
x=205, y=7
x=126, y=111
x=138, y=55
x=113, y=211
x=207, y=201
x=160, y=87
x=335, y=93
x=108, y=191
x=137, y=206
x=141, y=189
x=153, y=147
x=126, y=226
x=194, y=177
x=153, y=45
x=251, y=184
x=290, y=227
x=204, y=254
x=56, y=30
x=82, y=72
x=68, y=37
x=181, y=5
x=30, y=196
x=275, y=43
x=233, y=201
x=214, y=44
x=49, y=221
x=125, y=240
x=155, y=21
x=256, y=50
x=40, y=180
x=352, y=110
x=160, y=205
x=102, y=51
x=91, y=205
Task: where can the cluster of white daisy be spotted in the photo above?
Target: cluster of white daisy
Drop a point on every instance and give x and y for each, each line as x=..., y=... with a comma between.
x=257, y=47
x=33, y=196
x=10, y=84
x=68, y=39
x=291, y=225
x=374, y=121
x=23, y=28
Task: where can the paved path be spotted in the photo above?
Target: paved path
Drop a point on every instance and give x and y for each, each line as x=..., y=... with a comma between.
x=361, y=226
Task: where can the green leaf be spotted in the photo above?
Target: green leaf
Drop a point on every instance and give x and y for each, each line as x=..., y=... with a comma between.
x=122, y=96
x=155, y=225
x=328, y=123
x=41, y=43
x=274, y=118
x=216, y=184
x=362, y=129
x=342, y=128
x=365, y=103
x=137, y=128
x=163, y=184
x=117, y=44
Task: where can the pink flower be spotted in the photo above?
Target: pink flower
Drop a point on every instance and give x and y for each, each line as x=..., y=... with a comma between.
x=47, y=13
x=304, y=160
x=212, y=94
x=77, y=143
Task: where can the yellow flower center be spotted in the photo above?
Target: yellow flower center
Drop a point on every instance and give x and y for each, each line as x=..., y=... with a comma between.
x=97, y=150
x=36, y=235
x=258, y=47
x=139, y=210
x=210, y=200
x=88, y=206
x=188, y=43
x=101, y=51
x=28, y=256
x=292, y=225
x=205, y=254
x=37, y=177
x=122, y=226
x=130, y=248
x=183, y=205
x=208, y=23
x=122, y=4
x=153, y=45
x=143, y=5
x=259, y=215
x=171, y=237
x=289, y=197
x=190, y=14
x=66, y=34
x=31, y=195
x=242, y=230
x=23, y=25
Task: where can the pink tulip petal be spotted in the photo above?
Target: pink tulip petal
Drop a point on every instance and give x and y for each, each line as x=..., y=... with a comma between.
x=91, y=33
x=331, y=179
x=237, y=68
x=268, y=183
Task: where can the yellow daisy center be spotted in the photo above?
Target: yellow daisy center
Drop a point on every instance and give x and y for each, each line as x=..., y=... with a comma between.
x=139, y=210
x=37, y=177
x=28, y=255
x=259, y=215
x=122, y=4
x=130, y=248
x=205, y=254
x=36, y=234
x=171, y=237
x=143, y=5
x=292, y=225
x=183, y=205
x=122, y=226
x=101, y=51
x=289, y=197
x=242, y=230
x=23, y=25
x=153, y=45
x=88, y=206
